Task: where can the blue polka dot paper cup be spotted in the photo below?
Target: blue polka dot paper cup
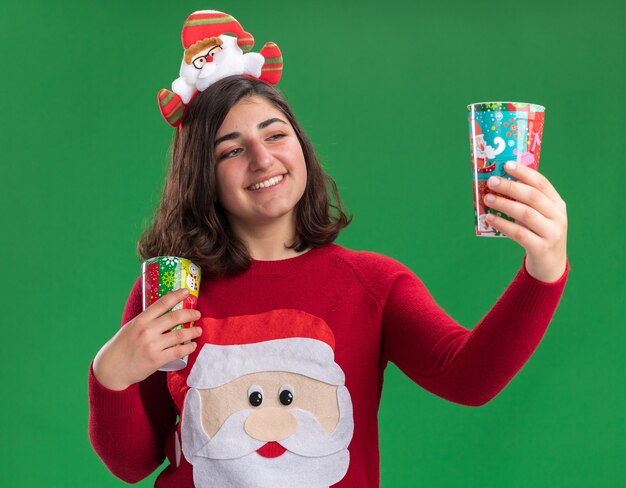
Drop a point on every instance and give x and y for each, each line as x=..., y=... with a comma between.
x=501, y=132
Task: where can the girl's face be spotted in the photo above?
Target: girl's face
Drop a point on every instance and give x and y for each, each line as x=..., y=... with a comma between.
x=260, y=168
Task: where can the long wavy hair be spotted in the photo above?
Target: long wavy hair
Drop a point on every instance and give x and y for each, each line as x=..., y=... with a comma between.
x=190, y=221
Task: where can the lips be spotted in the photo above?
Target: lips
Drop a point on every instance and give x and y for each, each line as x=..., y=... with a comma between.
x=271, y=450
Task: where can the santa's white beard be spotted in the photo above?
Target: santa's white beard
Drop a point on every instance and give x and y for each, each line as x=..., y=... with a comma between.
x=212, y=72
x=314, y=458
x=228, y=64
x=481, y=154
x=286, y=471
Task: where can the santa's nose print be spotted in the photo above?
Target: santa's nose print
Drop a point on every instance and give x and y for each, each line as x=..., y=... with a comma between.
x=271, y=424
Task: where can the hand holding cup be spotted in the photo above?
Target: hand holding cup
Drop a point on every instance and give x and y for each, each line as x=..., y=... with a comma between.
x=540, y=219
x=147, y=343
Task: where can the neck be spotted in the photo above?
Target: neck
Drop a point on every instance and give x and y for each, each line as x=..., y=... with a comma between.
x=268, y=242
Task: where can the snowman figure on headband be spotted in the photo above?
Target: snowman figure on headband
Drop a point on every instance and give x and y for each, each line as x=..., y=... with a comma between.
x=214, y=44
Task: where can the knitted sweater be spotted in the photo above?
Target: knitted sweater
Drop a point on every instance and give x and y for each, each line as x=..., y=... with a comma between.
x=378, y=311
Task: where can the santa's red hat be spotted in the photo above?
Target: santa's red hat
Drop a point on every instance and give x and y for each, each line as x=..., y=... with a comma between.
x=211, y=23
x=477, y=130
x=279, y=340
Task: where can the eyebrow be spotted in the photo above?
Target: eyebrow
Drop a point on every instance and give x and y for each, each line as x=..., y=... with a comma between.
x=235, y=135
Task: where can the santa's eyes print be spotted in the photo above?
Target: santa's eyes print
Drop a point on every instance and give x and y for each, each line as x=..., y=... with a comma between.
x=255, y=395
x=286, y=394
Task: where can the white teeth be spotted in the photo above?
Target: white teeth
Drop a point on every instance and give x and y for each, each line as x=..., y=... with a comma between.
x=266, y=183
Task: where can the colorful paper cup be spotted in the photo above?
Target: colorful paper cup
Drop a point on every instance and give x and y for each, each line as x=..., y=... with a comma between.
x=501, y=132
x=163, y=274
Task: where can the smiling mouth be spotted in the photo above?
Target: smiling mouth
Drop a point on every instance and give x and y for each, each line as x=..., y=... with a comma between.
x=275, y=180
x=271, y=450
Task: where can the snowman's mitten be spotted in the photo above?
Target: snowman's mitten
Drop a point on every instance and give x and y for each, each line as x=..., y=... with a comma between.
x=171, y=106
x=273, y=66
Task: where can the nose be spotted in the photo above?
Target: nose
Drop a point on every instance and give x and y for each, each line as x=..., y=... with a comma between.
x=271, y=424
x=209, y=58
x=261, y=158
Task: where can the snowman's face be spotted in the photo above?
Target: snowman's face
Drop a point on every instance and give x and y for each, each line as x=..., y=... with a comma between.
x=205, y=56
x=193, y=270
x=202, y=62
x=192, y=283
x=228, y=61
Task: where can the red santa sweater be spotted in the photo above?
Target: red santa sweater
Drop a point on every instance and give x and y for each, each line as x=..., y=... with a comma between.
x=378, y=311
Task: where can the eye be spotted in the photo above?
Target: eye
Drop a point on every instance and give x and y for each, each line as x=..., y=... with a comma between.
x=275, y=137
x=231, y=154
x=285, y=394
x=255, y=395
x=215, y=50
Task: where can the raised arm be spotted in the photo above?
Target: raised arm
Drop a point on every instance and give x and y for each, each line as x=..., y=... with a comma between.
x=130, y=410
x=463, y=366
x=471, y=367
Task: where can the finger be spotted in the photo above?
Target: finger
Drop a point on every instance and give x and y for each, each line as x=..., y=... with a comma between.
x=533, y=178
x=525, y=194
x=175, y=318
x=179, y=351
x=522, y=213
x=179, y=336
x=516, y=232
x=163, y=304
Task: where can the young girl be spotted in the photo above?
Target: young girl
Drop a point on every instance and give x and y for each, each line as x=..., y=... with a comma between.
x=293, y=333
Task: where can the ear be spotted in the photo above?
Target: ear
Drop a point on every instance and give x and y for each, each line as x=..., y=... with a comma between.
x=193, y=436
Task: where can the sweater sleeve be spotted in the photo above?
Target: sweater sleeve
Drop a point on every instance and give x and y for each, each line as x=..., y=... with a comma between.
x=128, y=428
x=469, y=367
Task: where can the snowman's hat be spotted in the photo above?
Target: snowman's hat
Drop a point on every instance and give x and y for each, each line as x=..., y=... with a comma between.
x=203, y=24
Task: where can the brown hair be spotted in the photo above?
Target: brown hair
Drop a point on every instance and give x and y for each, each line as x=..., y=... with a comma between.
x=201, y=45
x=190, y=222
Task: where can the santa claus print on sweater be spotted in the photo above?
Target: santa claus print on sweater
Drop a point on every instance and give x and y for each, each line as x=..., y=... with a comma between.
x=265, y=403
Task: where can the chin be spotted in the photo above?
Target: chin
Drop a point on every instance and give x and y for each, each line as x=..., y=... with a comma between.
x=274, y=210
x=275, y=216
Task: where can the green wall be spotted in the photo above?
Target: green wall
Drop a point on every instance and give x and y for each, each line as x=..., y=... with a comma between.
x=381, y=89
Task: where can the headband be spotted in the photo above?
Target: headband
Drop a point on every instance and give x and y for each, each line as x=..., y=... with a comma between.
x=214, y=44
